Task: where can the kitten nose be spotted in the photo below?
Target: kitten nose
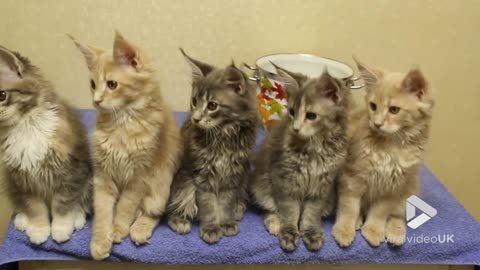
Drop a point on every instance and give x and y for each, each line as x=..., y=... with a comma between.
x=97, y=102
x=296, y=129
x=378, y=125
x=195, y=120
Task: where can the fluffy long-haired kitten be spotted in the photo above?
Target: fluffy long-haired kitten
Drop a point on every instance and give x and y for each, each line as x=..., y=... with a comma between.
x=296, y=168
x=45, y=152
x=136, y=145
x=219, y=135
x=387, y=140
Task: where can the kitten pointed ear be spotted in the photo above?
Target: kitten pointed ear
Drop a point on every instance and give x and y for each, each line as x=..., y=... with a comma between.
x=415, y=83
x=291, y=80
x=329, y=87
x=90, y=53
x=125, y=53
x=298, y=78
x=235, y=79
x=199, y=69
x=369, y=75
x=10, y=66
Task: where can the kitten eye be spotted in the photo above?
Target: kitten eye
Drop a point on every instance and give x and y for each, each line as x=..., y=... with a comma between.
x=394, y=109
x=3, y=96
x=311, y=116
x=194, y=102
x=373, y=106
x=292, y=112
x=212, y=106
x=92, y=84
x=112, y=84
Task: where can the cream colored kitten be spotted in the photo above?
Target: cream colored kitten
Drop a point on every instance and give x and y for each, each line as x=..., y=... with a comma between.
x=387, y=142
x=136, y=146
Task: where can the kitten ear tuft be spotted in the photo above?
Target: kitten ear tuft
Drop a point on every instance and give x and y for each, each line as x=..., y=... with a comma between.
x=235, y=79
x=291, y=80
x=90, y=53
x=415, y=83
x=199, y=69
x=11, y=67
x=124, y=52
x=369, y=75
x=328, y=86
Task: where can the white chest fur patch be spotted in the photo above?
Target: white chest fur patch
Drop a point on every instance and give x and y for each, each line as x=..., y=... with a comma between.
x=27, y=143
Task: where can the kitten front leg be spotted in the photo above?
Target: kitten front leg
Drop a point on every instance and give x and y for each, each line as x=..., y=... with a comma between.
x=180, y=224
x=289, y=214
x=37, y=215
x=229, y=203
x=374, y=228
x=152, y=206
x=21, y=221
x=240, y=211
x=80, y=218
x=348, y=212
x=261, y=190
x=396, y=230
x=105, y=194
x=208, y=214
x=142, y=228
x=182, y=205
x=272, y=223
x=126, y=209
x=311, y=224
x=64, y=213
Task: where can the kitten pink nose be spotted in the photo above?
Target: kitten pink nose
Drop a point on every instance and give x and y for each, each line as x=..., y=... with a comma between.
x=378, y=125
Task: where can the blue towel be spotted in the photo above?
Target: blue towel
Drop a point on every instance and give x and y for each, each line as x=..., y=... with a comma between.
x=253, y=245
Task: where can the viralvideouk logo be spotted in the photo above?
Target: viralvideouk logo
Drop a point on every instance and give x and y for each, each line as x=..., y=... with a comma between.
x=427, y=212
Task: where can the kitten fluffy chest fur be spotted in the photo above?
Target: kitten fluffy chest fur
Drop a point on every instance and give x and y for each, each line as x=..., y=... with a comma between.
x=28, y=142
x=315, y=172
x=122, y=143
x=387, y=166
x=222, y=161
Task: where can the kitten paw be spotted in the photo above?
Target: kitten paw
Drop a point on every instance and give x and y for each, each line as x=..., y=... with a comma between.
x=230, y=229
x=21, y=222
x=289, y=239
x=61, y=232
x=80, y=220
x=211, y=233
x=140, y=232
x=396, y=232
x=100, y=247
x=119, y=233
x=272, y=222
x=313, y=239
x=180, y=225
x=359, y=223
x=38, y=234
x=343, y=235
x=239, y=211
x=373, y=234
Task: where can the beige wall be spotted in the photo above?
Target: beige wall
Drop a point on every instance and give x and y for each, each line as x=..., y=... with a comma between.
x=439, y=36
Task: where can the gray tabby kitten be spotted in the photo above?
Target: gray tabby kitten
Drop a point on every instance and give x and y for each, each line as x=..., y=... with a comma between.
x=45, y=152
x=296, y=167
x=219, y=135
